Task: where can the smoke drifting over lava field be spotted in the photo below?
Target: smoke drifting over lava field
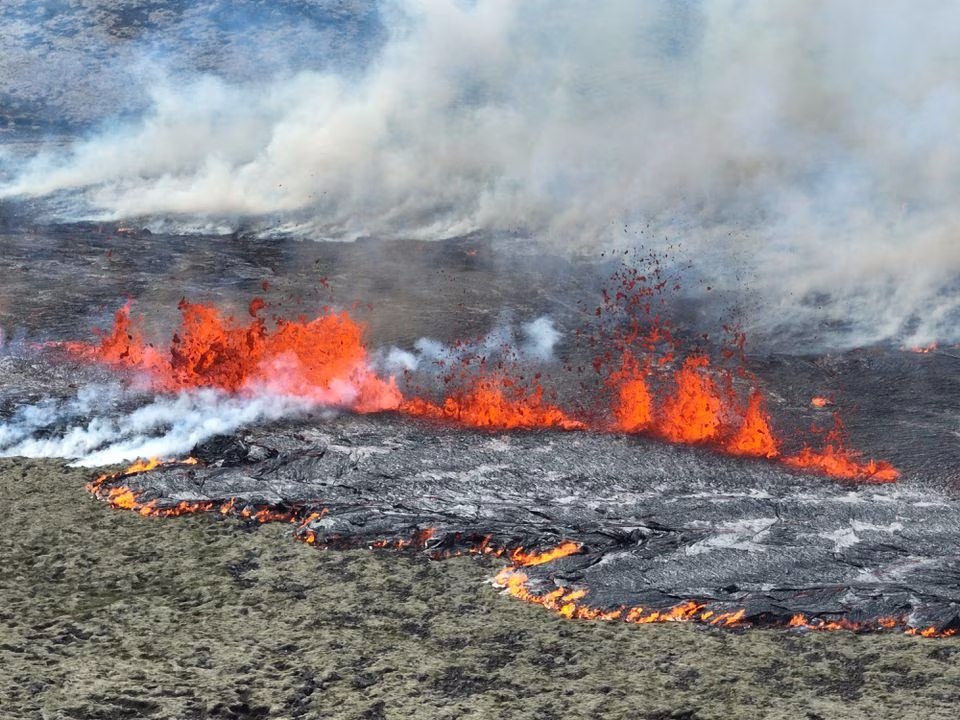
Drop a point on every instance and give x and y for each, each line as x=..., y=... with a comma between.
x=761, y=136
x=689, y=479
x=655, y=303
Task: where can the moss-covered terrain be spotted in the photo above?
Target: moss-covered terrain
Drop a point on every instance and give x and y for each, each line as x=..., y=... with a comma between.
x=107, y=615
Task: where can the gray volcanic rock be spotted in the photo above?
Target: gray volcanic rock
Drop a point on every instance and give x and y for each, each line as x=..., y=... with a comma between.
x=658, y=523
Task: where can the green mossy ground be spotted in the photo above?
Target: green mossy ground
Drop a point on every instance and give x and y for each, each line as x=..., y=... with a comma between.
x=107, y=615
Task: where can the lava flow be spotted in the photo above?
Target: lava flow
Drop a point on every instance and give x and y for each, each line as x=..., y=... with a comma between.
x=695, y=403
x=495, y=402
x=514, y=579
x=568, y=603
x=124, y=498
x=702, y=410
x=323, y=360
x=837, y=461
x=694, y=413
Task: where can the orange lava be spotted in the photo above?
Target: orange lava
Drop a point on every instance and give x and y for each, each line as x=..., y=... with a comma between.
x=837, y=461
x=498, y=403
x=523, y=558
x=819, y=402
x=702, y=410
x=568, y=603
x=633, y=406
x=694, y=413
x=323, y=359
x=124, y=498
x=754, y=438
x=801, y=621
x=123, y=345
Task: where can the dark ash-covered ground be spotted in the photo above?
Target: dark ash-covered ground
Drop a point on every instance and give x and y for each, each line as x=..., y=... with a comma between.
x=109, y=615
x=659, y=524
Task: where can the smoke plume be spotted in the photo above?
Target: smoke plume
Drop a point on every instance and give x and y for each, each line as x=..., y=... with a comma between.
x=530, y=343
x=105, y=425
x=808, y=144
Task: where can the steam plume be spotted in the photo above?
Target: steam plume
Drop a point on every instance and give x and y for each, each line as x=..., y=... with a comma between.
x=807, y=142
x=531, y=342
x=95, y=428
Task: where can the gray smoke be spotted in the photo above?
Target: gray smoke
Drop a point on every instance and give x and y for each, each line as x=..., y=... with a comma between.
x=107, y=424
x=809, y=144
x=525, y=344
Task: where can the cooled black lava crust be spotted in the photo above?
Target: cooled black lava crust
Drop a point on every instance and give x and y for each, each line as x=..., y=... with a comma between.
x=659, y=524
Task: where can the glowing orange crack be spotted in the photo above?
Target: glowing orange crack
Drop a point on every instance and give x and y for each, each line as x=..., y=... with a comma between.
x=564, y=601
x=567, y=603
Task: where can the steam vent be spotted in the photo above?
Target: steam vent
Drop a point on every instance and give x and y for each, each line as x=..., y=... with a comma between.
x=599, y=315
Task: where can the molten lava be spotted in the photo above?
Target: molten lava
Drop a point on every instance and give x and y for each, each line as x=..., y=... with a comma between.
x=496, y=403
x=124, y=498
x=322, y=360
x=523, y=558
x=837, y=461
x=754, y=438
x=569, y=603
x=566, y=602
x=633, y=407
x=695, y=412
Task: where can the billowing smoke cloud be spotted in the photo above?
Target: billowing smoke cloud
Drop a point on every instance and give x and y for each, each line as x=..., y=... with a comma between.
x=807, y=143
x=101, y=426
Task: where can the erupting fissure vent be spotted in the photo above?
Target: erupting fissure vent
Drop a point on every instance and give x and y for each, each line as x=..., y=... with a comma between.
x=325, y=361
x=495, y=402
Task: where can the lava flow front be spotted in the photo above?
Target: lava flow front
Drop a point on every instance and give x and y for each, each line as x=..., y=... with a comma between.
x=569, y=603
x=513, y=579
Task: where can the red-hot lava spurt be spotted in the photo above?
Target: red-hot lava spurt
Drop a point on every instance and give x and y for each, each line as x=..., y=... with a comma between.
x=325, y=360
x=567, y=602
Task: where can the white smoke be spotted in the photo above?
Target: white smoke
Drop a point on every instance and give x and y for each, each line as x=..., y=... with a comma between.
x=539, y=339
x=105, y=424
x=530, y=342
x=810, y=143
x=94, y=428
